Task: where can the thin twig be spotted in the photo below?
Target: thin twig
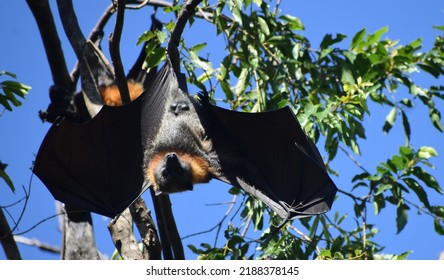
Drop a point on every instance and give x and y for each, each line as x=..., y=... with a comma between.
x=219, y=224
x=139, y=6
x=304, y=236
x=353, y=159
x=247, y=225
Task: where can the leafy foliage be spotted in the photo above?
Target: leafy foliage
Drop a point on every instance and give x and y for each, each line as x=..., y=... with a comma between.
x=9, y=89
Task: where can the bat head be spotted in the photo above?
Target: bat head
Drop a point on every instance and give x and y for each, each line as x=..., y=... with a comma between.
x=172, y=174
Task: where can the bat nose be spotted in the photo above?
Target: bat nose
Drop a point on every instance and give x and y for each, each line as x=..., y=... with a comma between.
x=171, y=156
x=172, y=161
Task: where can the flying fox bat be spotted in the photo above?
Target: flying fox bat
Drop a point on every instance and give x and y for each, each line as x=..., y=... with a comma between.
x=169, y=140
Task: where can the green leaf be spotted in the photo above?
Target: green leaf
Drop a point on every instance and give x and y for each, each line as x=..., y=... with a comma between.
x=170, y=25
x=406, y=125
x=420, y=192
x=358, y=39
x=154, y=58
x=401, y=218
x=293, y=22
x=389, y=120
x=375, y=37
x=347, y=76
x=430, y=68
x=325, y=254
x=8, y=74
x=8, y=180
x=378, y=203
x=406, y=151
x=439, y=226
x=435, y=117
x=264, y=26
x=427, y=152
x=383, y=188
x=427, y=178
x=148, y=35
x=241, y=82
x=16, y=87
x=403, y=256
x=439, y=27
x=328, y=40
x=170, y=9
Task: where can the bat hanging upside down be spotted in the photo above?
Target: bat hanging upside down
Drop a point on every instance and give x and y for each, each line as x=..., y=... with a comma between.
x=179, y=156
x=169, y=140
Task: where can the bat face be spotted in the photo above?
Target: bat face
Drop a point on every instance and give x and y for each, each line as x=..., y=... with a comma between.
x=169, y=174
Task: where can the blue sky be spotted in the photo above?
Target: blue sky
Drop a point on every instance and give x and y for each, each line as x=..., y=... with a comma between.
x=22, y=53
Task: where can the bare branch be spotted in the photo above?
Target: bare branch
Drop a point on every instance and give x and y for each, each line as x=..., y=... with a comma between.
x=114, y=48
x=147, y=229
x=247, y=225
x=37, y=243
x=123, y=236
x=187, y=11
x=78, y=235
x=45, y=22
x=88, y=63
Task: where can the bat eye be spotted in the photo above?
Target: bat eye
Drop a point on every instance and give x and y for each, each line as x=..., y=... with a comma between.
x=183, y=107
x=179, y=107
x=165, y=173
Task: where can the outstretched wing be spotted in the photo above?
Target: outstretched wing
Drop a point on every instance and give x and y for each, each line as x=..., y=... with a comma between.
x=97, y=165
x=269, y=156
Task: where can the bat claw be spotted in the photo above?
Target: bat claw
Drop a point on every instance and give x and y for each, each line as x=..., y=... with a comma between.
x=158, y=192
x=204, y=97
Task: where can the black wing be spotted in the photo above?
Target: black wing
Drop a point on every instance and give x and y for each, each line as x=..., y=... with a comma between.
x=270, y=157
x=97, y=165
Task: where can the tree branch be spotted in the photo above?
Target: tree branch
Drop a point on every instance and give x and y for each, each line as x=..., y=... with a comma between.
x=78, y=234
x=37, y=243
x=187, y=11
x=114, y=48
x=62, y=91
x=45, y=22
x=88, y=62
x=7, y=240
x=147, y=229
x=123, y=236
